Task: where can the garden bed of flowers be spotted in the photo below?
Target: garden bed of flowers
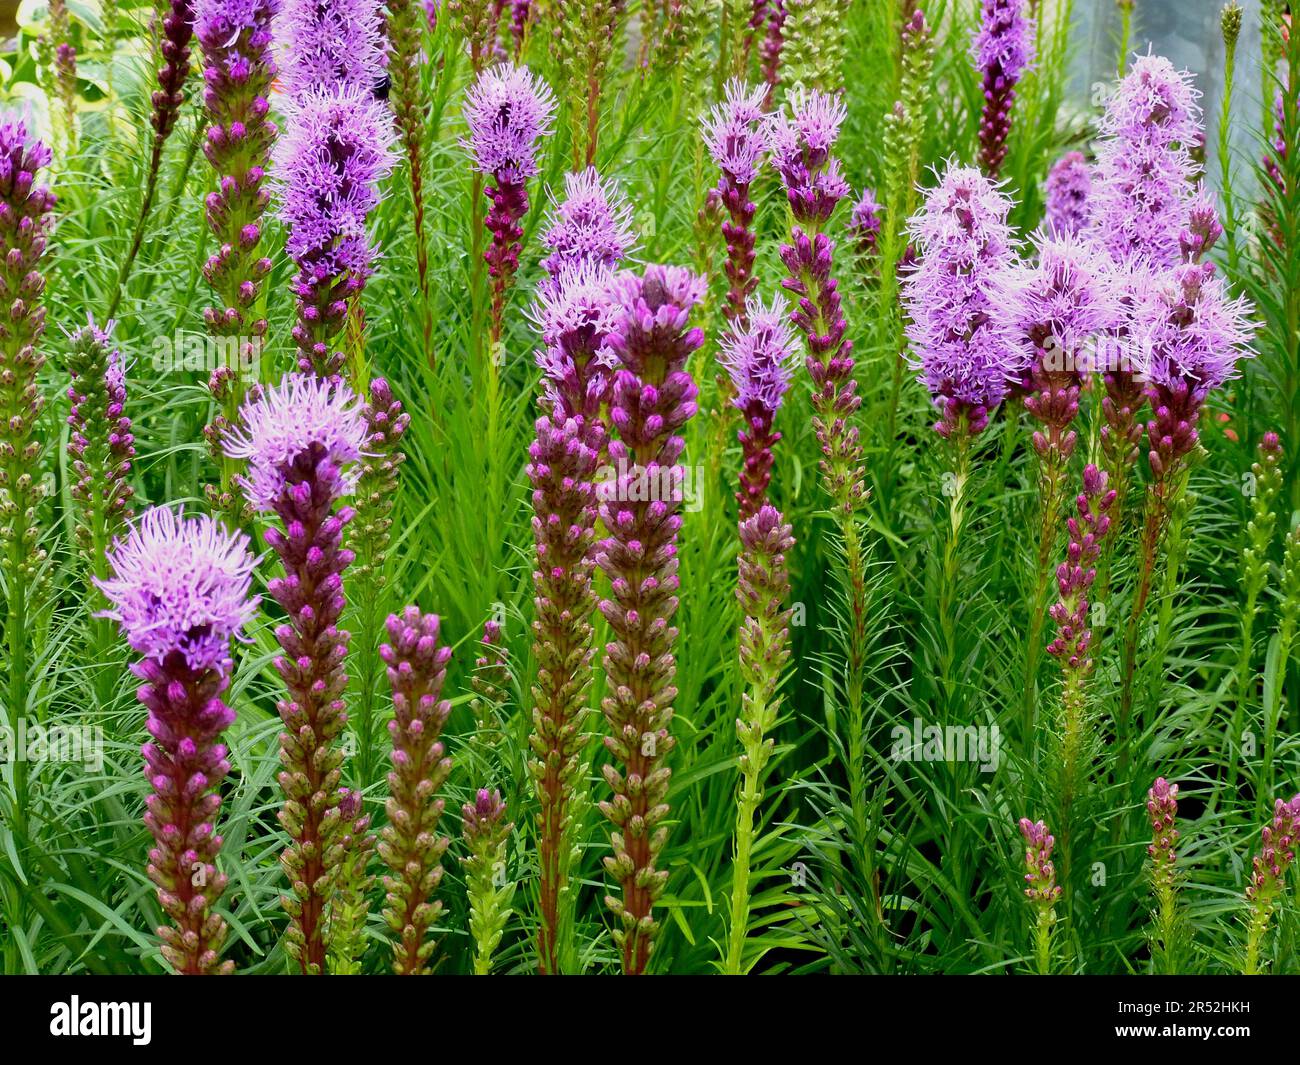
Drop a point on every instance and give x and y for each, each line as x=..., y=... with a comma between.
x=579, y=486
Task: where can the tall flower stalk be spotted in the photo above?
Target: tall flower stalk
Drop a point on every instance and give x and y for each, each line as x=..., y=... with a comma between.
x=1194, y=335
x=800, y=143
x=25, y=221
x=734, y=136
x=1072, y=647
x=1041, y=889
x=370, y=538
x=1002, y=49
x=758, y=355
x=490, y=891
x=508, y=110
x=1162, y=812
x=410, y=845
x=960, y=346
x=174, y=50
x=179, y=589
x=651, y=398
x=1053, y=308
x=1268, y=879
x=101, y=445
x=405, y=31
x=762, y=588
x=238, y=70
x=585, y=37
x=574, y=316
x=301, y=440
x=1267, y=477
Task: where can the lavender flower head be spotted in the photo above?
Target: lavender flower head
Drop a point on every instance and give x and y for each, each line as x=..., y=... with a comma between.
x=180, y=584
x=1057, y=301
x=760, y=358
x=864, y=222
x=338, y=147
x=508, y=109
x=1069, y=185
x=735, y=132
x=1005, y=39
x=575, y=316
x=799, y=144
x=1143, y=191
x=328, y=44
x=958, y=341
x=303, y=415
x=759, y=354
x=592, y=224
x=1193, y=332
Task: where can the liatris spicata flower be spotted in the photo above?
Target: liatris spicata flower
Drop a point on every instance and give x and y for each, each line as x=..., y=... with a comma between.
x=1002, y=49
x=25, y=219
x=1143, y=183
x=174, y=68
x=1266, y=480
x=814, y=43
x=1194, y=335
x=771, y=49
x=585, y=37
x=651, y=398
x=958, y=340
x=235, y=36
x=1162, y=811
x=759, y=357
x=763, y=585
x=508, y=110
x=61, y=57
x=179, y=589
x=574, y=317
x=800, y=143
x=1268, y=877
x=329, y=45
x=734, y=136
x=369, y=539
x=1068, y=192
x=1041, y=890
x=592, y=224
x=337, y=148
x=405, y=38
x=490, y=680
x=1072, y=647
x=1052, y=308
x=864, y=224
x=100, y=443
x=346, y=932
x=490, y=891
x=302, y=439
x=410, y=845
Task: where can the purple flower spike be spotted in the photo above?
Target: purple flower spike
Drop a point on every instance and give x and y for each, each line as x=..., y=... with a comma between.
x=575, y=316
x=652, y=397
x=410, y=844
x=1069, y=187
x=338, y=147
x=1162, y=810
x=1269, y=869
x=864, y=224
x=593, y=224
x=1002, y=49
x=329, y=45
x=301, y=440
x=1143, y=189
x=735, y=135
x=179, y=589
x=508, y=110
x=1074, y=578
x=1040, y=876
x=759, y=357
x=959, y=341
x=101, y=444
